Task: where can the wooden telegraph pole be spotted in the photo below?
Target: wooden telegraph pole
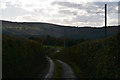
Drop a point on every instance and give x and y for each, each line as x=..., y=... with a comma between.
x=64, y=38
x=106, y=20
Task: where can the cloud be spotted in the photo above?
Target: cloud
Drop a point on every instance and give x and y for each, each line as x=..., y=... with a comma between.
x=67, y=12
x=12, y=10
x=27, y=17
x=87, y=13
x=67, y=4
x=92, y=18
x=2, y=6
x=64, y=12
x=89, y=7
x=113, y=22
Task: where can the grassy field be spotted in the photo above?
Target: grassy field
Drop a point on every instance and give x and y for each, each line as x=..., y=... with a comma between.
x=59, y=70
x=52, y=47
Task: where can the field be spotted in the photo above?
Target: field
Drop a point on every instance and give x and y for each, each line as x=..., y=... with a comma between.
x=52, y=47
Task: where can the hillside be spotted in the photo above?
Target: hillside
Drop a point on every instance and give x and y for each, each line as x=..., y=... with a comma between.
x=27, y=29
x=94, y=59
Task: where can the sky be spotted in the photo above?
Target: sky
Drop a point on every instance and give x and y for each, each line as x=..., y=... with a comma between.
x=63, y=12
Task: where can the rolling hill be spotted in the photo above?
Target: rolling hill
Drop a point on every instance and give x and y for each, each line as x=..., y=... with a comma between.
x=26, y=29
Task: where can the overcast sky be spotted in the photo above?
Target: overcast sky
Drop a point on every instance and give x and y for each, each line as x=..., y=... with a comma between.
x=63, y=12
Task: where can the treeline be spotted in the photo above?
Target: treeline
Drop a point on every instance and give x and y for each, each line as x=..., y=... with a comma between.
x=52, y=41
x=94, y=59
x=22, y=57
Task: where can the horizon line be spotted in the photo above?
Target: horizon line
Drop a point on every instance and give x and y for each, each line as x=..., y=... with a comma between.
x=60, y=24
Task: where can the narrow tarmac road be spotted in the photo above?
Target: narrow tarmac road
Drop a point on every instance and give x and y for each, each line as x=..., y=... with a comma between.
x=68, y=72
x=51, y=71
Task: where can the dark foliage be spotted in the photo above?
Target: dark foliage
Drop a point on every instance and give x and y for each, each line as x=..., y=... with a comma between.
x=52, y=41
x=94, y=59
x=21, y=57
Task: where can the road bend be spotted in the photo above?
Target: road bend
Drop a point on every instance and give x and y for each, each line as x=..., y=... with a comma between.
x=67, y=71
x=51, y=70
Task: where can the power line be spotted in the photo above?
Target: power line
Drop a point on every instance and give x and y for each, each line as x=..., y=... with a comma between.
x=95, y=14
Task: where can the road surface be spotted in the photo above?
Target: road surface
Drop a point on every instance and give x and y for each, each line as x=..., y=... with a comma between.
x=51, y=71
x=67, y=71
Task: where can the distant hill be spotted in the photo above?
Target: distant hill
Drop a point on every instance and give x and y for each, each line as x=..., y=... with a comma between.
x=26, y=29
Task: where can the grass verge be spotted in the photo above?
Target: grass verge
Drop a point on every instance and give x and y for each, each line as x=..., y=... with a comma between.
x=59, y=70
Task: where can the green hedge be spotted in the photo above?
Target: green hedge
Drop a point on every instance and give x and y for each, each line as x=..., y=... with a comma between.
x=21, y=57
x=94, y=59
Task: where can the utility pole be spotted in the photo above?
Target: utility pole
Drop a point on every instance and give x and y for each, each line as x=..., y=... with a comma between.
x=55, y=42
x=106, y=20
x=64, y=38
x=118, y=16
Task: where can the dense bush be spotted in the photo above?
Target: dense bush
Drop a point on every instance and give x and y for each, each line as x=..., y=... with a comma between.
x=21, y=57
x=94, y=59
x=56, y=41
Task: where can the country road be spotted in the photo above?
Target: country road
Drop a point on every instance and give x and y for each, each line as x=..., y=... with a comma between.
x=67, y=71
x=51, y=71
